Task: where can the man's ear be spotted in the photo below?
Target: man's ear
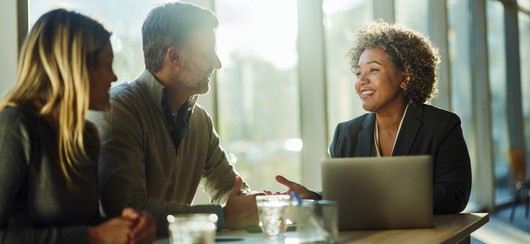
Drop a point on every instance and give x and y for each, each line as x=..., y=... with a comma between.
x=174, y=55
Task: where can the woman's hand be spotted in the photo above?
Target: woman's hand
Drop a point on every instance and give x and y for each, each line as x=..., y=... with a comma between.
x=143, y=229
x=300, y=190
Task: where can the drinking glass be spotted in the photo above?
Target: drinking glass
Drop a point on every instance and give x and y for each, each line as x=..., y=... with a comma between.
x=197, y=228
x=272, y=210
x=317, y=221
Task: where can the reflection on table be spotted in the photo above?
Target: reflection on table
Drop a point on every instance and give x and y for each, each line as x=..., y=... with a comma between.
x=448, y=228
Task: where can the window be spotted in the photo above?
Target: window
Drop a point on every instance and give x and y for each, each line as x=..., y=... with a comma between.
x=258, y=98
x=342, y=20
x=413, y=13
x=461, y=84
x=497, y=74
x=126, y=30
x=524, y=42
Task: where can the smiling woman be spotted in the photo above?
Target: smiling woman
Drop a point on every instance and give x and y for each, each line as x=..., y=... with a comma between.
x=396, y=74
x=49, y=151
x=379, y=82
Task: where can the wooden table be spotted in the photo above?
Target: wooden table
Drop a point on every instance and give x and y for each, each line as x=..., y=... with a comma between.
x=449, y=228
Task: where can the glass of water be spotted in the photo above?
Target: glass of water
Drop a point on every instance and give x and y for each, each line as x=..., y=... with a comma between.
x=197, y=228
x=272, y=213
x=317, y=221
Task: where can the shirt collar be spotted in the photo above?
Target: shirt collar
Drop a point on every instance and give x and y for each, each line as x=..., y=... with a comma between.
x=155, y=90
x=376, y=134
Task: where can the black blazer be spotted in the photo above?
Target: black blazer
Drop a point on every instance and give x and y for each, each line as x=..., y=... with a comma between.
x=426, y=130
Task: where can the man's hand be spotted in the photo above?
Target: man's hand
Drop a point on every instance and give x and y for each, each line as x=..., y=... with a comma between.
x=240, y=210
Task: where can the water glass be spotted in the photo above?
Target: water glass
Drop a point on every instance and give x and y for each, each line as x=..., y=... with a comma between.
x=197, y=228
x=317, y=221
x=272, y=209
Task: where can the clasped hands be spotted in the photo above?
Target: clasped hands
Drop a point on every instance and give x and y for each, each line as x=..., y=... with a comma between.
x=133, y=226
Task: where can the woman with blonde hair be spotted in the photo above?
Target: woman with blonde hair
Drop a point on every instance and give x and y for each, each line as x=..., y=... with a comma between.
x=48, y=168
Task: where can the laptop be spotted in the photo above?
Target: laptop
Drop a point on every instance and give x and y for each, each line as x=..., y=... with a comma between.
x=380, y=192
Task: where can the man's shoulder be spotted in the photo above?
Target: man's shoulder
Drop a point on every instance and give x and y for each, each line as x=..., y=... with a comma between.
x=134, y=95
x=199, y=109
x=125, y=90
x=126, y=99
x=199, y=114
x=143, y=92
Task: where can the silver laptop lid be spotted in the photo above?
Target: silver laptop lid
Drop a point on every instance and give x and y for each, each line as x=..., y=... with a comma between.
x=380, y=192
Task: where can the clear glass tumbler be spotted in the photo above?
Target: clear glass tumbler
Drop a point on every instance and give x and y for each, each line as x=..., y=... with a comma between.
x=317, y=222
x=198, y=228
x=272, y=209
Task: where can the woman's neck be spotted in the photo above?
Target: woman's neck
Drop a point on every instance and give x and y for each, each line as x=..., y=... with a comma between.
x=391, y=120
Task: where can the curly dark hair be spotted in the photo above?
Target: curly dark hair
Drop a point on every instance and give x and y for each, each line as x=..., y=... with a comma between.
x=409, y=50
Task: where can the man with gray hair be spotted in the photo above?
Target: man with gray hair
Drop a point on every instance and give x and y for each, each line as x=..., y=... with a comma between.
x=158, y=144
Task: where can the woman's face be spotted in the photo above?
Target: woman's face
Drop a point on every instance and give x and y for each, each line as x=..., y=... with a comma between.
x=101, y=76
x=379, y=82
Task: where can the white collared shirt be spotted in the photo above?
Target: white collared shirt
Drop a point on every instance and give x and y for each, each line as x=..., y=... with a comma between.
x=376, y=135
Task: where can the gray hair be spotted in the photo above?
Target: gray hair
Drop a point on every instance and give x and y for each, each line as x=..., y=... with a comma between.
x=171, y=24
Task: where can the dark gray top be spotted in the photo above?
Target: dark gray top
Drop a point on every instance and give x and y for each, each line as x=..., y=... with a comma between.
x=36, y=205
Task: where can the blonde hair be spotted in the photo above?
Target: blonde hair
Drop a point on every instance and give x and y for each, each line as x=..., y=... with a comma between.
x=53, y=71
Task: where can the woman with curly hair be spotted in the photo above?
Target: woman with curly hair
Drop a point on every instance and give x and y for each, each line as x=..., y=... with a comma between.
x=48, y=167
x=396, y=73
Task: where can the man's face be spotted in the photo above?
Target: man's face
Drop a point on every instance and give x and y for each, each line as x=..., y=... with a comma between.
x=199, y=61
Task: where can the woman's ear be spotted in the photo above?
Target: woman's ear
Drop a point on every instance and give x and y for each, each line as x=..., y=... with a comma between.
x=405, y=82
